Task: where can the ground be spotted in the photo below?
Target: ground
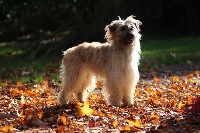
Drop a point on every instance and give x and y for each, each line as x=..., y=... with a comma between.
x=166, y=100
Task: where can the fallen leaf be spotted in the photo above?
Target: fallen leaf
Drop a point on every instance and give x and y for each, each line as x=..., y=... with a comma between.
x=136, y=123
x=19, y=84
x=181, y=105
x=115, y=123
x=84, y=109
x=63, y=120
x=22, y=101
x=91, y=123
x=60, y=129
x=7, y=128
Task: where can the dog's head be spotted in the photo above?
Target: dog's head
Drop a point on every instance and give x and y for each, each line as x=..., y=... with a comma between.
x=123, y=31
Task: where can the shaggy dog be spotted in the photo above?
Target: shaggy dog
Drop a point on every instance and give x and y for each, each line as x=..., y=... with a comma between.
x=115, y=61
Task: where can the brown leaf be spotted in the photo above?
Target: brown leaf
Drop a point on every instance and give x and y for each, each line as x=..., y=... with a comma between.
x=60, y=129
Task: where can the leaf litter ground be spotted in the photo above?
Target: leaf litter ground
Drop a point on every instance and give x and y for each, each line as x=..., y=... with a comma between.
x=166, y=100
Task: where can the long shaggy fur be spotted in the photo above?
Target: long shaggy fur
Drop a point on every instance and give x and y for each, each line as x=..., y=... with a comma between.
x=115, y=61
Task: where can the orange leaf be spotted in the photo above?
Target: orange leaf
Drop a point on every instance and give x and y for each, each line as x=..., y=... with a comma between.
x=64, y=120
x=156, y=79
x=40, y=115
x=196, y=72
x=31, y=93
x=45, y=81
x=99, y=84
x=60, y=129
x=126, y=127
x=184, y=85
x=19, y=84
x=136, y=123
x=93, y=96
x=181, y=105
x=175, y=87
x=84, y=109
x=7, y=128
x=190, y=75
x=154, y=116
x=4, y=83
x=148, y=89
x=115, y=123
x=192, y=80
x=34, y=100
x=137, y=93
x=16, y=91
x=176, y=79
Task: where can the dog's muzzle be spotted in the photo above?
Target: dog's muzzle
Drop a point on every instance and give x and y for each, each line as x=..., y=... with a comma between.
x=129, y=38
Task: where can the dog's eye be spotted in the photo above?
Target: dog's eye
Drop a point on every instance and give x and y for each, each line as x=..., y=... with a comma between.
x=132, y=26
x=123, y=28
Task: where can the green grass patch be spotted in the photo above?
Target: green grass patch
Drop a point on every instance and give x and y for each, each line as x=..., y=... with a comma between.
x=172, y=51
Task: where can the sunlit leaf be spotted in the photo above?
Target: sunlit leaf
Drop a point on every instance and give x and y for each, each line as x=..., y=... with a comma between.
x=192, y=80
x=16, y=91
x=196, y=72
x=19, y=84
x=176, y=79
x=40, y=115
x=181, y=105
x=7, y=128
x=84, y=109
x=115, y=123
x=126, y=127
x=156, y=79
x=31, y=93
x=94, y=96
x=22, y=101
x=154, y=116
x=63, y=120
x=4, y=83
x=137, y=93
x=45, y=82
x=136, y=123
x=190, y=75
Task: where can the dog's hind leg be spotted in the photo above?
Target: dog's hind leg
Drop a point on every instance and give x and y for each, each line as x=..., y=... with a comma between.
x=70, y=81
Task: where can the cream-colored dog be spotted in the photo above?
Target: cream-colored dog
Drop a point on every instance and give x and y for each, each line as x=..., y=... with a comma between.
x=115, y=61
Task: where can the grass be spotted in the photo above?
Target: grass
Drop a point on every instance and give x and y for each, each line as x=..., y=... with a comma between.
x=172, y=51
x=18, y=66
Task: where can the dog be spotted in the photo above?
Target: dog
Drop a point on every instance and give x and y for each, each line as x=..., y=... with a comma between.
x=116, y=62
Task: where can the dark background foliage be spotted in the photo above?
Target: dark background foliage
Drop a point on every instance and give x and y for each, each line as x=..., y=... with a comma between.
x=84, y=20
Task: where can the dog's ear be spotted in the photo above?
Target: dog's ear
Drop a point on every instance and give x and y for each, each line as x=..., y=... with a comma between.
x=112, y=27
x=136, y=22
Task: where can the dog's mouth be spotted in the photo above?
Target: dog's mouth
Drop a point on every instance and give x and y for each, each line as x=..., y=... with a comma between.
x=129, y=38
